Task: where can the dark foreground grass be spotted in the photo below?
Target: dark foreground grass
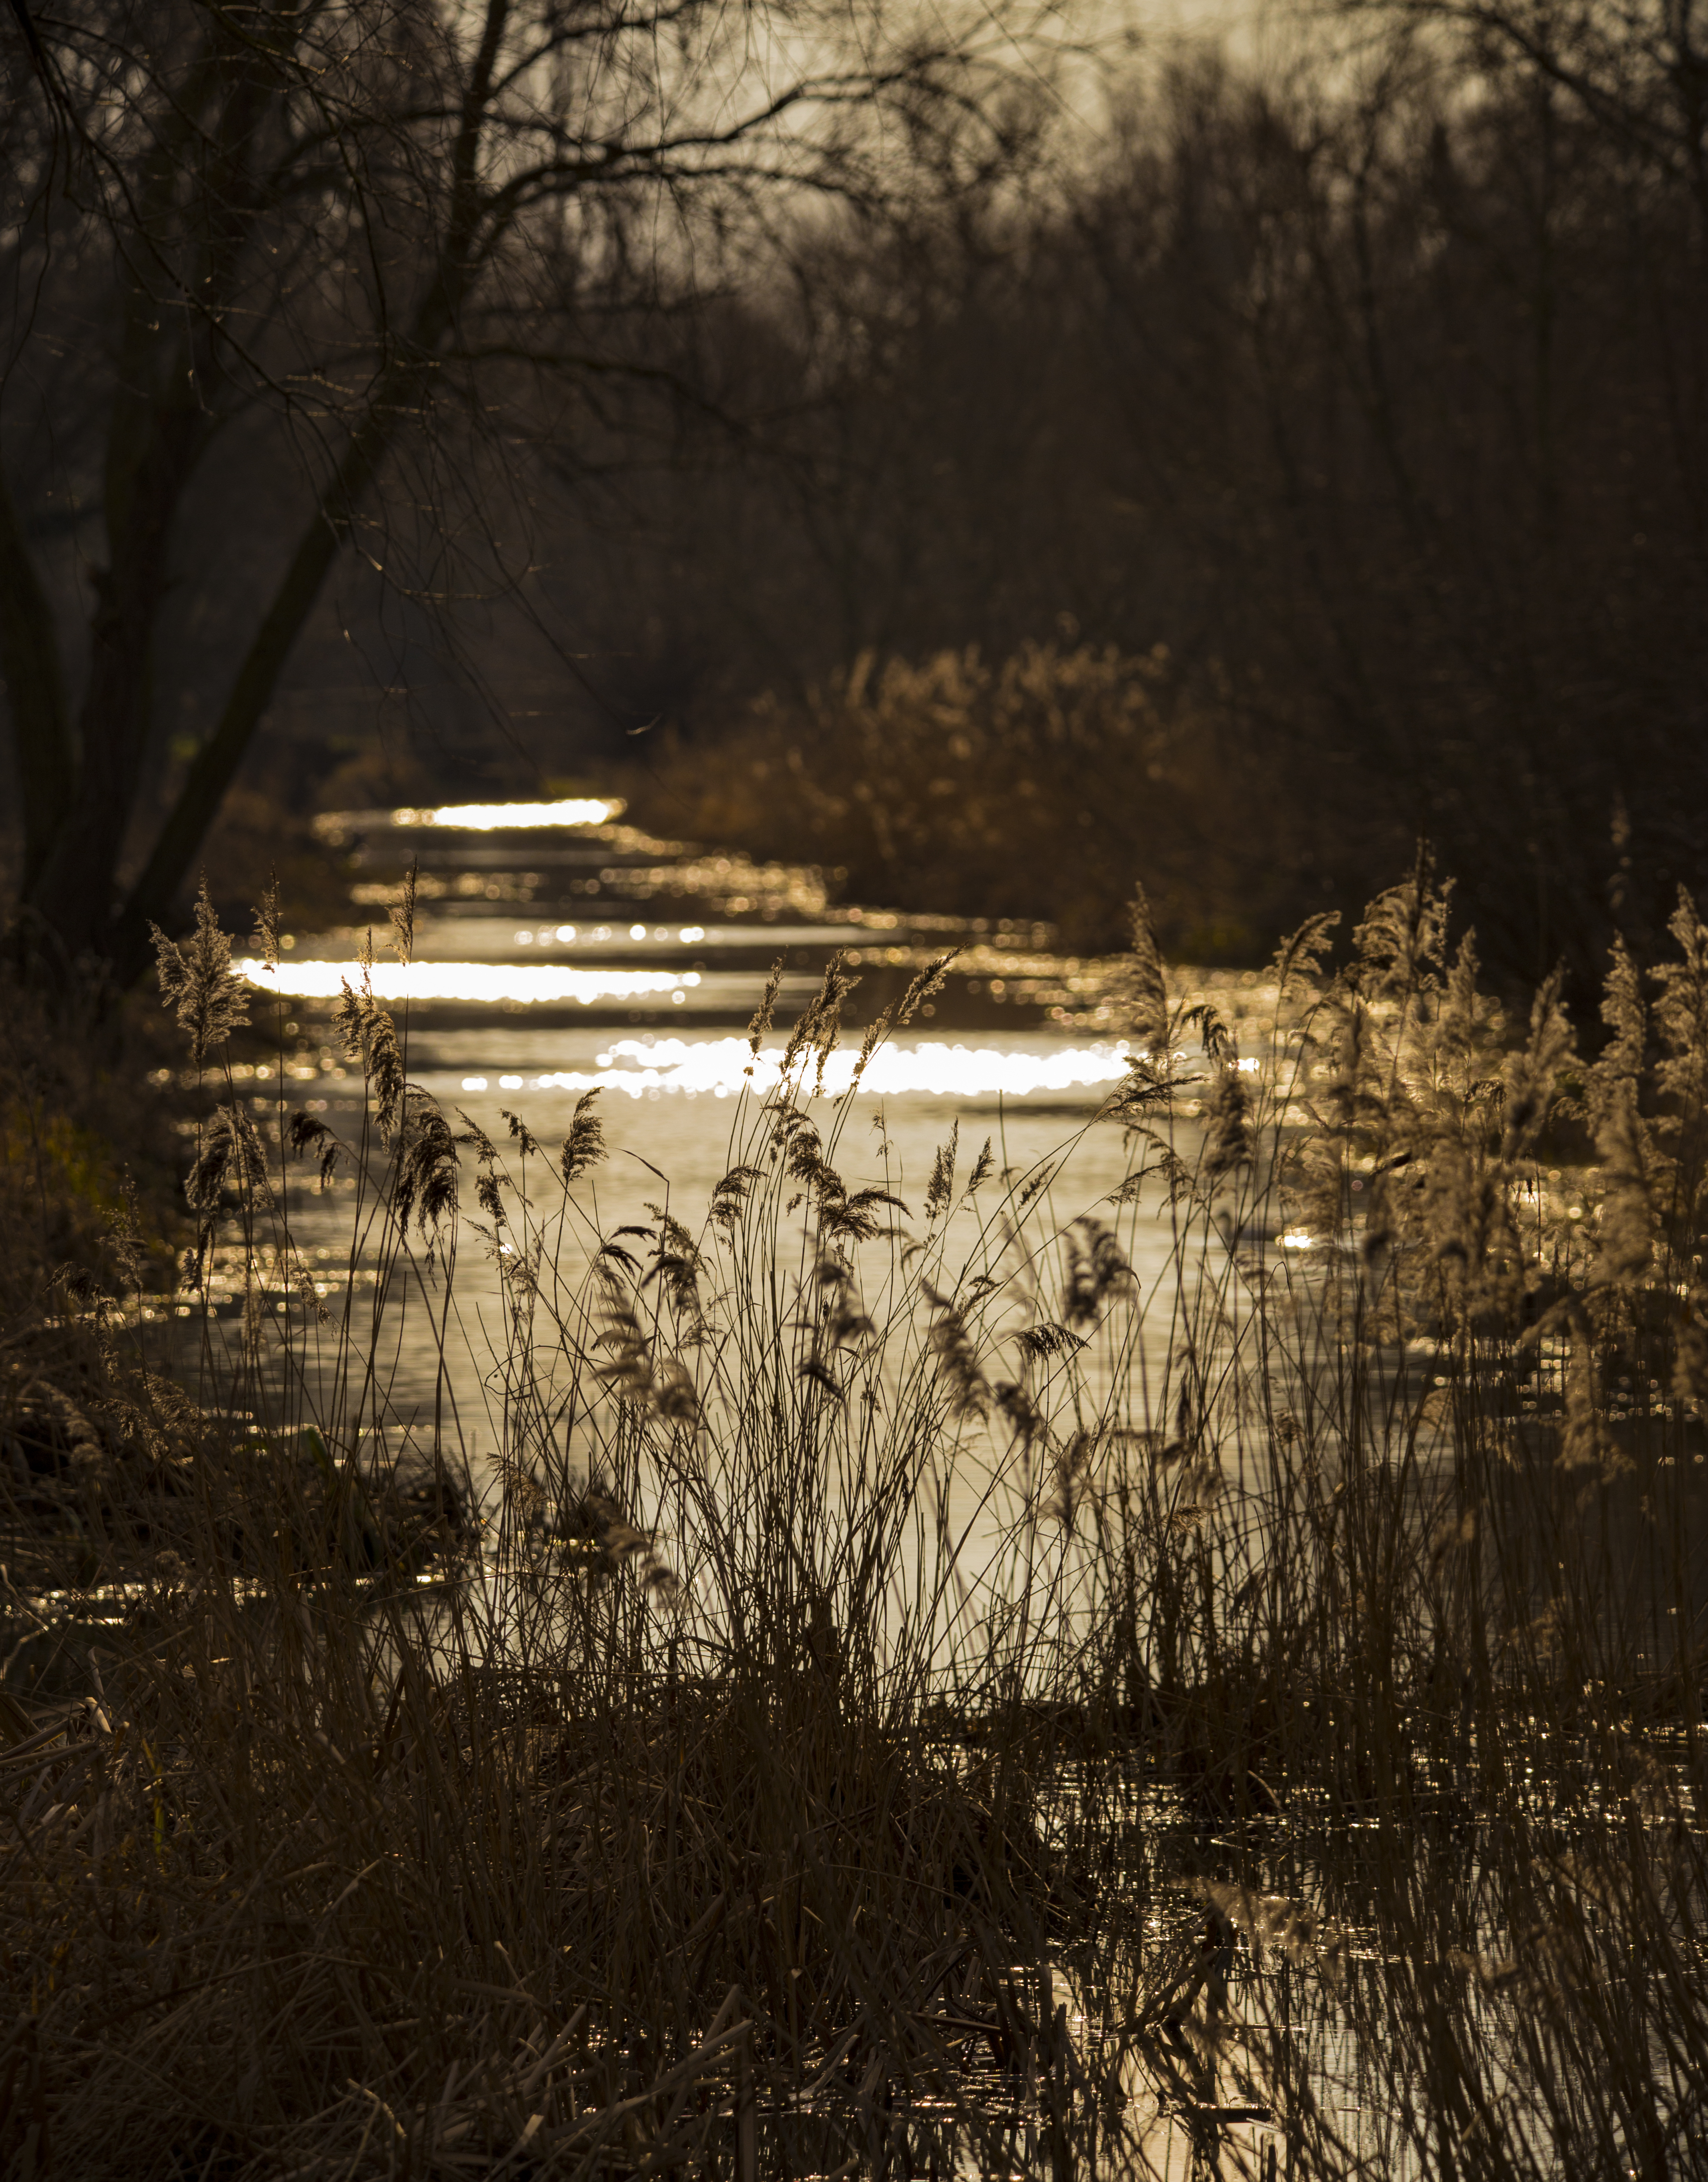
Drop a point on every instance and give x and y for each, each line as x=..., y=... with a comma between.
x=923, y=1700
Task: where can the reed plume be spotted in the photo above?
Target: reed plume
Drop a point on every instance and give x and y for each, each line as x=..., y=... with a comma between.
x=197, y=981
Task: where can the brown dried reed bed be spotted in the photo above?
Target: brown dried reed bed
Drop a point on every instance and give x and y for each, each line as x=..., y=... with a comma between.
x=1306, y=1729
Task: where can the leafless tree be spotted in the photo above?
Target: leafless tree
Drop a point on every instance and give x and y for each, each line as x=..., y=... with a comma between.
x=282, y=267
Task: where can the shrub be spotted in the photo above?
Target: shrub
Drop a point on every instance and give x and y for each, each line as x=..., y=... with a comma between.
x=1028, y=789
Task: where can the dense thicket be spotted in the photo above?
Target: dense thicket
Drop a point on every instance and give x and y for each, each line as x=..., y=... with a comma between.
x=1376, y=396
x=1362, y=401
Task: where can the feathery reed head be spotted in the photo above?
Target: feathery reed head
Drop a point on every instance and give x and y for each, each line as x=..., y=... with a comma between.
x=940, y=1191
x=1142, y=989
x=425, y=1175
x=767, y=1009
x=923, y=986
x=1400, y=942
x=266, y=935
x=229, y=1156
x=956, y=1351
x=196, y=978
x=583, y=1147
x=403, y=914
x=370, y=1037
x=1226, y=1132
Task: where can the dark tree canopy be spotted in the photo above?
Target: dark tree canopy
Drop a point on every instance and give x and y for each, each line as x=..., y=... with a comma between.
x=278, y=279
x=1375, y=389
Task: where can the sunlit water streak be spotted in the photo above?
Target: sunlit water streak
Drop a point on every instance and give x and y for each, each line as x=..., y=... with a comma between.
x=489, y=817
x=528, y=983
x=931, y=1069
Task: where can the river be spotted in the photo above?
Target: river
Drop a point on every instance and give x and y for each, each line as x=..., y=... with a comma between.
x=558, y=951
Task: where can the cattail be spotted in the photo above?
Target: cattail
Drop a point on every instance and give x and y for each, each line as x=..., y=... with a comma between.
x=197, y=979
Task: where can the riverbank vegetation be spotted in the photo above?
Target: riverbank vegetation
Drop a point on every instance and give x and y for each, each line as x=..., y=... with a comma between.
x=962, y=768
x=1342, y=392
x=877, y=1675
x=1366, y=379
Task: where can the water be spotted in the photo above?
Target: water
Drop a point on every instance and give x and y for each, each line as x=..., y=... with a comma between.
x=545, y=964
x=568, y=955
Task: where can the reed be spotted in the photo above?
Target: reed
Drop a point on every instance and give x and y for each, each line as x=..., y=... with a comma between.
x=973, y=1683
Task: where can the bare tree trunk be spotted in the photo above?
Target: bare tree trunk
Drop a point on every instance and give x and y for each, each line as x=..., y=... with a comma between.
x=153, y=449
x=274, y=223
x=216, y=762
x=35, y=693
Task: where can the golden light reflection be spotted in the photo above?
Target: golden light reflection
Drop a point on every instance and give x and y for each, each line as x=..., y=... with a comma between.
x=721, y=1065
x=484, y=817
x=529, y=982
